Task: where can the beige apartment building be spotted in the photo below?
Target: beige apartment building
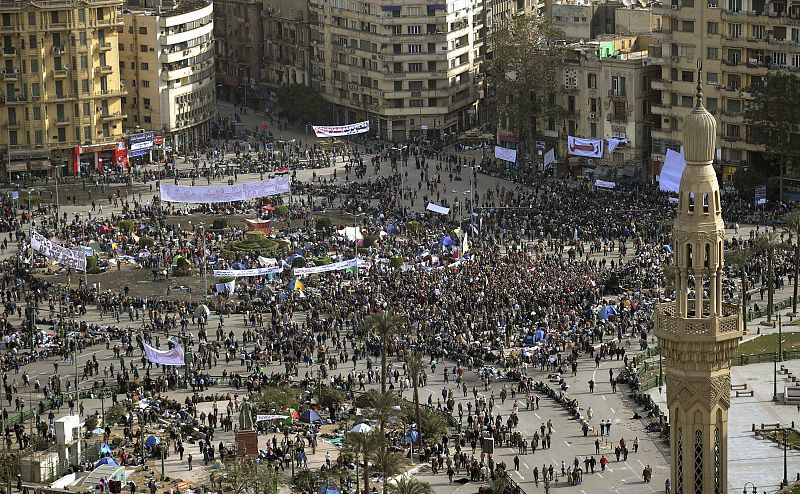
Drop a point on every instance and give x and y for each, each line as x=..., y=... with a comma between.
x=260, y=46
x=608, y=94
x=167, y=63
x=737, y=41
x=410, y=68
x=61, y=89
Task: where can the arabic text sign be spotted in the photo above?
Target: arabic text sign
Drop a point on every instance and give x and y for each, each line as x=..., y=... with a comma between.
x=164, y=357
x=341, y=130
x=505, y=154
x=74, y=259
x=246, y=273
x=591, y=148
x=336, y=266
x=225, y=193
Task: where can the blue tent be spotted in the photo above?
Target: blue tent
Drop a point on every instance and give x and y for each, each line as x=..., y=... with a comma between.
x=238, y=265
x=310, y=416
x=449, y=242
x=152, y=440
x=104, y=448
x=607, y=311
x=392, y=230
x=107, y=461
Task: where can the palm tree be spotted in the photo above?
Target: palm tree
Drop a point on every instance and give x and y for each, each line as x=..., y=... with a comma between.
x=383, y=405
x=410, y=485
x=791, y=222
x=388, y=462
x=361, y=445
x=739, y=259
x=432, y=424
x=767, y=244
x=385, y=325
x=414, y=366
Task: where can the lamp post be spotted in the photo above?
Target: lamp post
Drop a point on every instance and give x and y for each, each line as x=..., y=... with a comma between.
x=205, y=264
x=785, y=432
x=660, y=371
x=744, y=490
x=775, y=378
x=780, y=338
x=30, y=214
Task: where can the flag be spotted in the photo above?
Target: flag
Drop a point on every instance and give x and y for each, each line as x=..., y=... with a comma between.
x=437, y=209
x=505, y=154
x=465, y=245
x=670, y=178
x=550, y=157
x=612, y=144
x=296, y=285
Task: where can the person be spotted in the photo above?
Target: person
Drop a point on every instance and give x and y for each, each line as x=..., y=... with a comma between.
x=636, y=444
x=189, y=460
x=667, y=485
x=603, y=463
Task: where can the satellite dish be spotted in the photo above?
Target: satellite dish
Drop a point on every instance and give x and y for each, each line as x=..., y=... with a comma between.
x=627, y=3
x=643, y=3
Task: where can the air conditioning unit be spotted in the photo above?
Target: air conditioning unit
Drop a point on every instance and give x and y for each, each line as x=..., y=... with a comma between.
x=380, y=57
x=592, y=115
x=676, y=7
x=381, y=93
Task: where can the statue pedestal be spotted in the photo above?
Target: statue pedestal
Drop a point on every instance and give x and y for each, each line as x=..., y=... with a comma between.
x=247, y=443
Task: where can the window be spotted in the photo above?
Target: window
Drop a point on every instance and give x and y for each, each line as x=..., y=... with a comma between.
x=698, y=461
x=82, y=15
x=779, y=58
x=687, y=76
x=712, y=77
x=85, y=86
x=397, y=30
x=143, y=30
x=32, y=43
x=413, y=29
x=87, y=133
x=37, y=112
x=84, y=61
x=413, y=11
x=551, y=124
x=735, y=30
x=431, y=47
x=143, y=48
x=145, y=83
x=87, y=110
x=688, y=26
x=37, y=137
x=147, y=119
x=713, y=53
x=432, y=66
x=593, y=129
x=146, y=102
x=32, y=18
x=734, y=106
x=34, y=66
x=415, y=85
x=106, y=130
x=687, y=101
x=415, y=67
x=82, y=38
x=397, y=48
x=712, y=28
x=734, y=131
x=398, y=85
x=734, y=5
x=36, y=89
x=416, y=103
x=592, y=80
x=711, y=104
x=432, y=102
x=62, y=134
x=431, y=83
x=757, y=31
x=415, y=48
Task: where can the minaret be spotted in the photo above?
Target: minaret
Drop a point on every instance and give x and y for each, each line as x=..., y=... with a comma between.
x=697, y=333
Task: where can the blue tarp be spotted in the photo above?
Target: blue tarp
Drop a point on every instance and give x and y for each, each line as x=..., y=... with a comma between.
x=310, y=416
x=152, y=440
x=106, y=461
x=607, y=311
x=449, y=242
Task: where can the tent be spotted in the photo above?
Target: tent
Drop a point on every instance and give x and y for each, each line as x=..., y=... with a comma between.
x=296, y=285
x=449, y=242
x=238, y=265
x=152, y=441
x=361, y=428
x=392, y=230
x=202, y=310
x=606, y=312
x=107, y=461
x=310, y=416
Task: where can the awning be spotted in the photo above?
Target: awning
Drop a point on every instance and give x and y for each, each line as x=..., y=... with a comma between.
x=17, y=166
x=392, y=8
x=40, y=165
x=629, y=171
x=437, y=6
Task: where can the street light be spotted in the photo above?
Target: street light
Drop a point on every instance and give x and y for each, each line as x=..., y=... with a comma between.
x=29, y=204
x=785, y=432
x=744, y=490
x=780, y=338
x=775, y=378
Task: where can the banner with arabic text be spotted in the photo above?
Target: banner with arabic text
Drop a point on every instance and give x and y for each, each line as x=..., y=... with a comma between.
x=341, y=130
x=74, y=259
x=164, y=357
x=335, y=266
x=225, y=193
x=591, y=148
x=247, y=273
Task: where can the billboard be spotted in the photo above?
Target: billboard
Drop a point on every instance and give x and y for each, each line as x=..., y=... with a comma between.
x=140, y=144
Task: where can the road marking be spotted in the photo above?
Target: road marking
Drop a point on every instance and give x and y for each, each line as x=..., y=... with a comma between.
x=600, y=475
x=612, y=410
x=640, y=463
x=567, y=443
x=583, y=491
x=526, y=466
x=604, y=397
x=520, y=475
x=537, y=416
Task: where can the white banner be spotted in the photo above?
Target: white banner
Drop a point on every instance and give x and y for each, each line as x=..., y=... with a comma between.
x=335, y=266
x=604, y=184
x=229, y=287
x=247, y=273
x=613, y=142
x=341, y=130
x=437, y=209
x=550, y=157
x=262, y=418
x=68, y=258
x=505, y=154
x=671, y=171
x=225, y=193
x=591, y=148
x=164, y=357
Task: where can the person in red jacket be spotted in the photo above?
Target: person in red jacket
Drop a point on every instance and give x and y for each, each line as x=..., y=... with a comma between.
x=603, y=463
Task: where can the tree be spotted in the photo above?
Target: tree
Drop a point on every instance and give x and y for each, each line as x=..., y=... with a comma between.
x=388, y=462
x=771, y=117
x=361, y=445
x=410, y=485
x=385, y=325
x=739, y=259
x=243, y=476
x=414, y=366
x=304, y=103
x=791, y=222
x=768, y=243
x=432, y=424
x=524, y=72
x=383, y=406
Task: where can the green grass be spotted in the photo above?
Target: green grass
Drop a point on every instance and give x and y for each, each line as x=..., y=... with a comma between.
x=769, y=344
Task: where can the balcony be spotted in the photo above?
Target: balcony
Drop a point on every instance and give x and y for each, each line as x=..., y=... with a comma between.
x=616, y=95
x=573, y=113
x=62, y=121
x=661, y=84
x=103, y=70
x=14, y=124
x=57, y=26
x=11, y=29
x=10, y=76
x=110, y=117
x=570, y=88
x=104, y=46
x=9, y=52
x=617, y=117
x=693, y=328
x=60, y=73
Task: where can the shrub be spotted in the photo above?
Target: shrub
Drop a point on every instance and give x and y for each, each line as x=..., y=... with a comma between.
x=126, y=226
x=413, y=227
x=146, y=242
x=369, y=241
x=323, y=223
x=91, y=423
x=34, y=198
x=254, y=235
x=298, y=262
x=91, y=265
x=396, y=262
x=322, y=261
x=219, y=224
x=226, y=279
x=272, y=399
x=282, y=210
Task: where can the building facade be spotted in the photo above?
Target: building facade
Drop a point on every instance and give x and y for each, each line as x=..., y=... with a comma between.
x=588, y=21
x=412, y=69
x=167, y=63
x=61, y=92
x=698, y=334
x=608, y=97
x=737, y=40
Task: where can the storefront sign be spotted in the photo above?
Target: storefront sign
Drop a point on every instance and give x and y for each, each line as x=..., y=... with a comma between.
x=140, y=144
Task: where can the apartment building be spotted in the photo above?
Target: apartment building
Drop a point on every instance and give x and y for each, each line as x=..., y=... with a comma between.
x=61, y=89
x=606, y=93
x=579, y=20
x=412, y=69
x=167, y=63
x=737, y=41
